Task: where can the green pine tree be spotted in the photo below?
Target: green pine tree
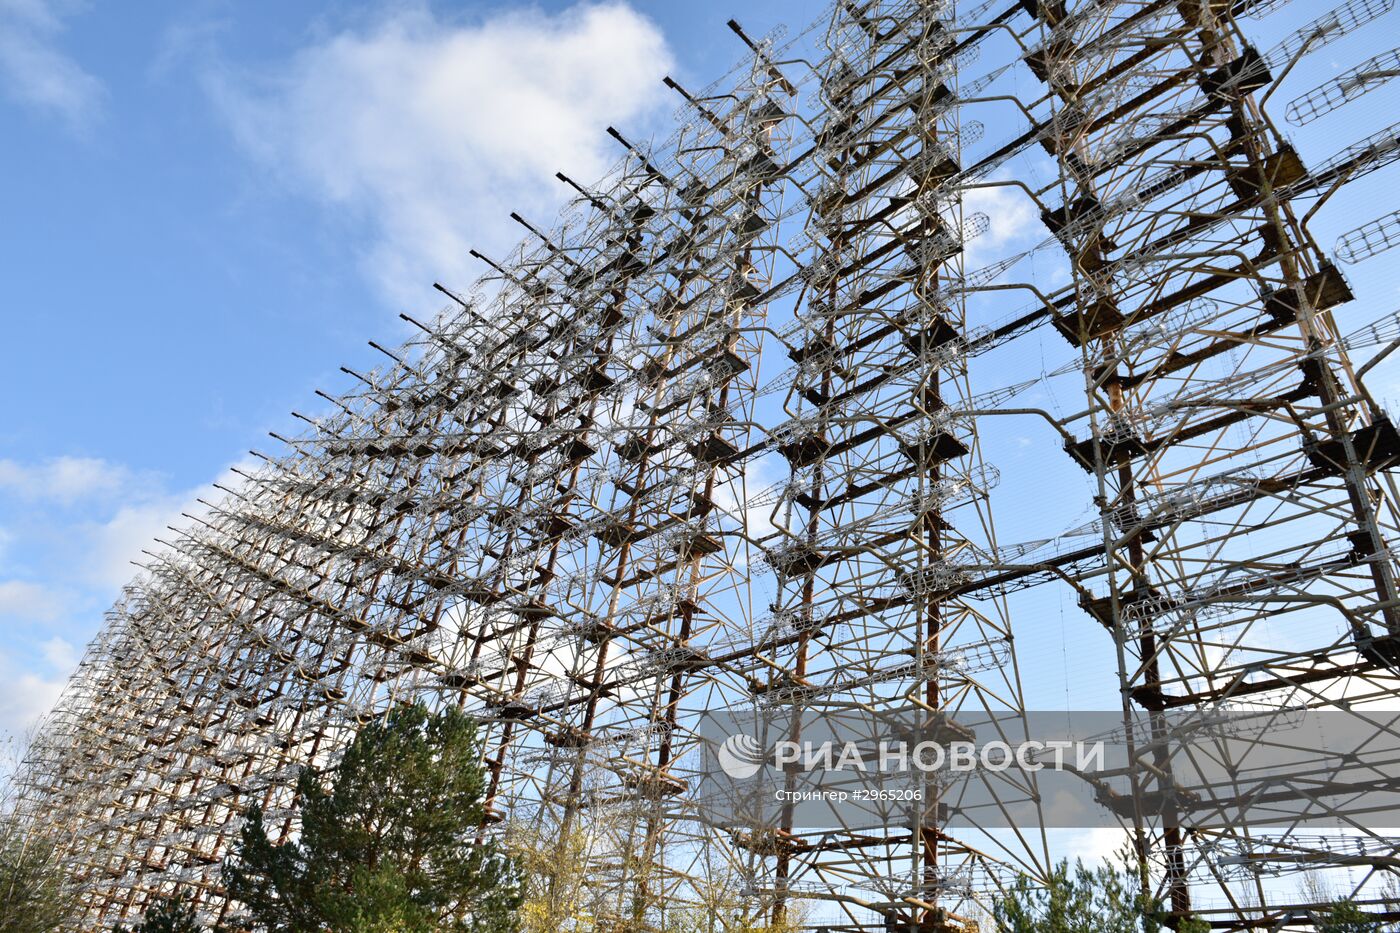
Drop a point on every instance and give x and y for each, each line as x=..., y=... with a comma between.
x=1344, y=916
x=387, y=841
x=1104, y=899
x=34, y=896
x=167, y=915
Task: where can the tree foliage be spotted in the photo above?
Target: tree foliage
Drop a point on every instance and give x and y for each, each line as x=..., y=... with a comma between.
x=1344, y=916
x=34, y=896
x=167, y=915
x=1107, y=898
x=387, y=841
x=560, y=860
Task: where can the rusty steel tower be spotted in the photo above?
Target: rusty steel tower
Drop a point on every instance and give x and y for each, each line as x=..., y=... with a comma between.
x=720, y=436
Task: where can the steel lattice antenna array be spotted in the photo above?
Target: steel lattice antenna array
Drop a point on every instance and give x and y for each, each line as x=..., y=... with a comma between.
x=544, y=508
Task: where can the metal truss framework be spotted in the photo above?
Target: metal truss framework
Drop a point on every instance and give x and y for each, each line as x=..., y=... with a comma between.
x=546, y=508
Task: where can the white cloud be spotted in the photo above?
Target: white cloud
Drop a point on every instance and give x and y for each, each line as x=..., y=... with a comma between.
x=75, y=563
x=27, y=696
x=1098, y=844
x=112, y=545
x=66, y=479
x=60, y=654
x=431, y=130
x=32, y=602
x=1013, y=224
x=35, y=73
x=120, y=512
x=109, y=547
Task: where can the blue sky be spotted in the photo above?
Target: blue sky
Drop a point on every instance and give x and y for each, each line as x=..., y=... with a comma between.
x=206, y=208
x=209, y=208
